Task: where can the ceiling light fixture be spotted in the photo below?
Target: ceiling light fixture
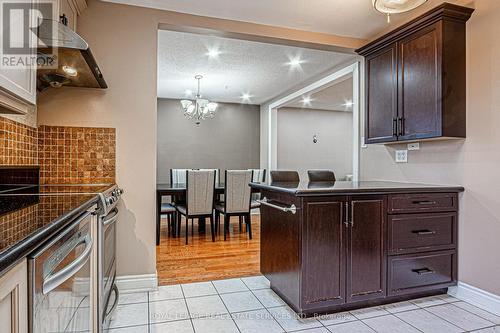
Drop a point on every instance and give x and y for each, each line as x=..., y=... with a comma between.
x=199, y=109
x=306, y=100
x=390, y=7
x=246, y=97
x=295, y=62
x=71, y=71
x=188, y=92
x=213, y=53
x=348, y=104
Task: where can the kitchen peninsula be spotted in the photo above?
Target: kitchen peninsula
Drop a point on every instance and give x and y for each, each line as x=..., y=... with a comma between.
x=329, y=247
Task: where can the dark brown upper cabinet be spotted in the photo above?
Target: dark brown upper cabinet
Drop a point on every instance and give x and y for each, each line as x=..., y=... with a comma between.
x=415, y=78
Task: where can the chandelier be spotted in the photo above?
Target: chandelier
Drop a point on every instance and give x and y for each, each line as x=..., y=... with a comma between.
x=396, y=6
x=199, y=109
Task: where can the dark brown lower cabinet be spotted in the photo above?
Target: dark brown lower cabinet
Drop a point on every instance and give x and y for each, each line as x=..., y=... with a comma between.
x=366, y=255
x=340, y=252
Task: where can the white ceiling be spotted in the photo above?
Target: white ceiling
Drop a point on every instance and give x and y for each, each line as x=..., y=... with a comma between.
x=336, y=97
x=258, y=69
x=353, y=18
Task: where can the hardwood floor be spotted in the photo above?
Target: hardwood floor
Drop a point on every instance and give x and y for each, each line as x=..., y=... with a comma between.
x=204, y=260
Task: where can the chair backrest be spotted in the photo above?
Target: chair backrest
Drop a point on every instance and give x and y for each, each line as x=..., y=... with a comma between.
x=237, y=193
x=321, y=175
x=217, y=172
x=284, y=176
x=259, y=175
x=178, y=176
x=200, y=187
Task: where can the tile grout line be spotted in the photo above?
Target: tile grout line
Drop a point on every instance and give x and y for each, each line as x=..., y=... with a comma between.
x=187, y=307
x=149, y=315
x=225, y=306
x=265, y=308
x=425, y=309
x=475, y=313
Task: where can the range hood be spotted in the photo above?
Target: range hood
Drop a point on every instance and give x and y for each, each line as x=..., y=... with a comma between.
x=76, y=66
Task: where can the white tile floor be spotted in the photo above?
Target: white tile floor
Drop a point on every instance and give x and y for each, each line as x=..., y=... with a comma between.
x=248, y=305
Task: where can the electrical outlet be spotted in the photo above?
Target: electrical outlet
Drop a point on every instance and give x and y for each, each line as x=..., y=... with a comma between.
x=414, y=146
x=401, y=156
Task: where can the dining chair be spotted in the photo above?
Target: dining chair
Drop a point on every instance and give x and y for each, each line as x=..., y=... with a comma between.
x=279, y=176
x=200, y=189
x=178, y=176
x=321, y=175
x=237, y=199
x=168, y=210
x=258, y=176
x=217, y=174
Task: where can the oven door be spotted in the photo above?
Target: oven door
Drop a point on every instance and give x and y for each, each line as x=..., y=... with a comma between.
x=60, y=281
x=107, y=267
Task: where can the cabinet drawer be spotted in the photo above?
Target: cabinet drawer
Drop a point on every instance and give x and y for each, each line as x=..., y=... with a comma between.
x=419, y=203
x=416, y=272
x=422, y=232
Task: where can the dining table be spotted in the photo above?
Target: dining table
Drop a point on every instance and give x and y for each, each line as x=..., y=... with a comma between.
x=179, y=190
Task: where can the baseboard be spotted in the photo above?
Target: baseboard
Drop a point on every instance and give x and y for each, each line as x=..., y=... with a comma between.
x=137, y=283
x=475, y=296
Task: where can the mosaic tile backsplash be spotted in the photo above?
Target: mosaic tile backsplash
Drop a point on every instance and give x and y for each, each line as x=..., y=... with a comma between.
x=69, y=155
x=76, y=155
x=18, y=143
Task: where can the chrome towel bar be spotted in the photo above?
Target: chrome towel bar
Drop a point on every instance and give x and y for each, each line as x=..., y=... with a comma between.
x=292, y=209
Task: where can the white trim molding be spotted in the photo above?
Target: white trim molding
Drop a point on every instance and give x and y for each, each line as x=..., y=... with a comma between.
x=475, y=296
x=137, y=283
x=272, y=111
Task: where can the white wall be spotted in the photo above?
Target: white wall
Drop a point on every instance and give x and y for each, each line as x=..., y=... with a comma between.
x=296, y=150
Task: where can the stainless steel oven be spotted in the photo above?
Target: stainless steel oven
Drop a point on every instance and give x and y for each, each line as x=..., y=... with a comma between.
x=108, y=292
x=60, y=279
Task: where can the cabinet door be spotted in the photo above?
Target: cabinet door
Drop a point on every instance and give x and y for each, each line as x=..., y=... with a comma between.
x=14, y=300
x=67, y=8
x=366, y=256
x=381, y=96
x=420, y=84
x=20, y=81
x=324, y=253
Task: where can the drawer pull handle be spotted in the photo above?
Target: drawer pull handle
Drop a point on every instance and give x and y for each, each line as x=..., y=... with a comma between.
x=423, y=271
x=424, y=232
x=424, y=202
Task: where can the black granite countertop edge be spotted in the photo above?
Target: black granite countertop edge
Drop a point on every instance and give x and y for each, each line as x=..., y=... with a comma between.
x=12, y=255
x=401, y=188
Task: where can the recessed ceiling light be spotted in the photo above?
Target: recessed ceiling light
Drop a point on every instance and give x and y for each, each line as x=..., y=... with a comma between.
x=213, y=53
x=295, y=62
x=71, y=71
x=348, y=104
x=246, y=97
x=306, y=100
x=188, y=92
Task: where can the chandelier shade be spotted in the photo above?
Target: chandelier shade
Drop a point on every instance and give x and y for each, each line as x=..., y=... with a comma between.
x=199, y=109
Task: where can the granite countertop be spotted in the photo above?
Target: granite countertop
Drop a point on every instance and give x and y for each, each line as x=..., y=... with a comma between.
x=305, y=188
x=26, y=221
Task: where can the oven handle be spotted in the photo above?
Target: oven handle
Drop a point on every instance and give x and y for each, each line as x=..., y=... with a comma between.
x=55, y=280
x=110, y=218
x=115, y=303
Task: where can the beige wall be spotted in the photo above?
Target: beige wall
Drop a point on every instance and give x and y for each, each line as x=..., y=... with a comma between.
x=473, y=163
x=229, y=141
x=124, y=41
x=296, y=150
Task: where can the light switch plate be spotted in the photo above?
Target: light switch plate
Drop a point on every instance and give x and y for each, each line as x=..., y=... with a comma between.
x=414, y=146
x=401, y=156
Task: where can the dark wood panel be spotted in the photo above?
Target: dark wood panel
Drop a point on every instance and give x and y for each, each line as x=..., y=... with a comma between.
x=420, y=84
x=324, y=255
x=366, y=265
x=381, y=96
x=422, y=203
x=280, y=259
x=422, y=232
x=416, y=272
